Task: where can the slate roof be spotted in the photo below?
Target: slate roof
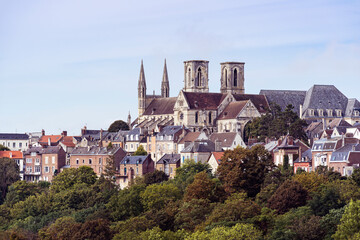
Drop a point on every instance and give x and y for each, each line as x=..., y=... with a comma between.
x=342, y=153
x=314, y=125
x=159, y=106
x=51, y=150
x=11, y=154
x=94, y=135
x=94, y=150
x=306, y=156
x=339, y=122
x=260, y=101
x=169, y=130
x=133, y=159
x=204, y=101
x=353, y=104
x=14, y=136
x=226, y=138
x=324, y=97
x=232, y=110
x=285, y=97
x=169, y=158
x=33, y=149
x=200, y=146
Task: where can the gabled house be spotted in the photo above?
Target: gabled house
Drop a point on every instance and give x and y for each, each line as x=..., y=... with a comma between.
x=290, y=147
x=228, y=140
x=199, y=150
x=304, y=161
x=345, y=159
x=168, y=164
x=133, y=139
x=215, y=160
x=134, y=166
x=186, y=139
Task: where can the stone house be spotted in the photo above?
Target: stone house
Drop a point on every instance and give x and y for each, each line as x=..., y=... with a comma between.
x=134, y=166
x=199, y=151
x=168, y=164
x=15, y=141
x=290, y=147
x=228, y=140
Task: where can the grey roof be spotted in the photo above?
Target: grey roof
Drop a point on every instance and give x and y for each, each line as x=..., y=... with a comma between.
x=169, y=130
x=94, y=135
x=14, y=136
x=352, y=106
x=285, y=97
x=51, y=150
x=200, y=146
x=324, y=144
x=342, y=153
x=33, y=149
x=306, y=156
x=94, y=150
x=169, y=158
x=324, y=97
x=133, y=159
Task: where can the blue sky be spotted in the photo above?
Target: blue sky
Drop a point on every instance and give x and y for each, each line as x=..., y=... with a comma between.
x=66, y=64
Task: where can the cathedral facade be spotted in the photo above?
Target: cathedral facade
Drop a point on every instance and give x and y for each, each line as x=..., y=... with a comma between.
x=195, y=107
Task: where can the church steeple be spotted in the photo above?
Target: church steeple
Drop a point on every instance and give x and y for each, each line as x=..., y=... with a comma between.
x=142, y=90
x=165, y=88
x=129, y=120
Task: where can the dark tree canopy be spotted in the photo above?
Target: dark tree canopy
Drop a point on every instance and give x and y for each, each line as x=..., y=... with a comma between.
x=276, y=123
x=155, y=177
x=118, y=125
x=140, y=151
x=9, y=173
x=4, y=148
x=245, y=169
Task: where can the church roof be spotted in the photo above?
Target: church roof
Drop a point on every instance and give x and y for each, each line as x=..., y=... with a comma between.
x=159, y=106
x=259, y=101
x=204, y=101
x=232, y=110
x=285, y=97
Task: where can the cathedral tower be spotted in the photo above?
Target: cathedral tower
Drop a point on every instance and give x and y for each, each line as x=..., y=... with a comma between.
x=232, y=77
x=165, y=88
x=142, y=90
x=196, y=76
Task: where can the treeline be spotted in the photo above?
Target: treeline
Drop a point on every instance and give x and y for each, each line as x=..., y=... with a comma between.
x=249, y=198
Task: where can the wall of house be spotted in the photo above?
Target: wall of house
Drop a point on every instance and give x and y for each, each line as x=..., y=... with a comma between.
x=32, y=167
x=16, y=145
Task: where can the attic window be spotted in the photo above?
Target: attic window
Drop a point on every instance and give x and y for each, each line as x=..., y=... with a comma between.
x=356, y=113
x=153, y=110
x=225, y=113
x=338, y=112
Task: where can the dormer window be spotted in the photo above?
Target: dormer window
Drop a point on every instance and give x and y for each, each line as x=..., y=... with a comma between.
x=321, y=112
x=356, y=113
x=338, y=112
x=311, y=112
x=329, y=112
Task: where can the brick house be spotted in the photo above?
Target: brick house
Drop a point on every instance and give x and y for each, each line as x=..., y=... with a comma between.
x=134, y=166
x=290, y=147
x=32, y=164
x=53, y=158
x=96, y=157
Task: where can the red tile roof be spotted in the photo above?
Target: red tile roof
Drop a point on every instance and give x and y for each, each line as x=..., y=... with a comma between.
x=218, y=156
x=53, y=138
x=11, y=154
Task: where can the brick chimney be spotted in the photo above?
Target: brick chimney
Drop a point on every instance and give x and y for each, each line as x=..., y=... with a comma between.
x=42, y=132
x=83, y=131
x=64, y=133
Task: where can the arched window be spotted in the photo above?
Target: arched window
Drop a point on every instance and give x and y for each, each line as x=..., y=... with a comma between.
x=166, y=92
x=225, y=77
x=235, y=78
x=198, y=83
x=196, y=117
x=189, y=77
x=209, y=117
x=143, y=92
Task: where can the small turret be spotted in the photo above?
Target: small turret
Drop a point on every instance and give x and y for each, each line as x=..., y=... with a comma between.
x=142, y=90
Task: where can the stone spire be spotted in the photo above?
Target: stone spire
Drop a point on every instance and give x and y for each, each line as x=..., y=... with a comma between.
x=142, y=90
x=165, y=88
x=129, y=120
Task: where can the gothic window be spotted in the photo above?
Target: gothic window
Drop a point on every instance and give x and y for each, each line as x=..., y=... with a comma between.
x=143, y=92
x=225, y=77
x=189, y=76
x=235, y=78
x=196, y=117
x=198, y=83
x=210, y=118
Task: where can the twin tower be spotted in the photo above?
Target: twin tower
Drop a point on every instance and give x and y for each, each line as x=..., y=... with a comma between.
x=195, y=80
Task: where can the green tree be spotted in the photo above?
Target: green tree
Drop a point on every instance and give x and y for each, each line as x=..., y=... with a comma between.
x=9, y=173
x=155, y=177
x=289, y=195
x=156, y=196
x=355, y=176
x=118, y=125
x=70, y=177
x=140, y=151
x=325, y=200
x=62, y=228
x=20, y=190
x=244, y=169
x=4, y=148
x=350, y=222
x=330, y=221
x=201, y=188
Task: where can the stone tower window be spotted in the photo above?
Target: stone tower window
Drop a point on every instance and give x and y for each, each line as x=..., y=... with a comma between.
x=210, y=118
x=235, y=78
x=196, y=117
x=189, y=77
x=225, y=77
x=143, y=92
x=198, y=83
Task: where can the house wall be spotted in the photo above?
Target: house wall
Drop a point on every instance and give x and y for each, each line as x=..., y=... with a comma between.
x=16, y=145
x=213, y=164
x=32, y=167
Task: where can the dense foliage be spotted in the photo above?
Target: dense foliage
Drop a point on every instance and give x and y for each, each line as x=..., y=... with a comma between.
x=251, y=199
x=118, y=125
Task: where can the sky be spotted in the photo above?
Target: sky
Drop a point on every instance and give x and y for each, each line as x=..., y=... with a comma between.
x=74, y=63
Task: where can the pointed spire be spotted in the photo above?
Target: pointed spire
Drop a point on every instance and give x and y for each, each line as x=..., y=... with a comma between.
x=165, y=88
x=165, y=74
x=129, y=120
x=142, y=74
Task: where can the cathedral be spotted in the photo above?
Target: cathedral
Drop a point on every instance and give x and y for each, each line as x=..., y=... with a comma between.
x=195, y=107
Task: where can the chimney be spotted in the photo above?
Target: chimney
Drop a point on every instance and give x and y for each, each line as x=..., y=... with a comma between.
x=10, y=154
x=83, y=131
x=64, y=133
x=49, y=141
x=218, y=147
x=101, y=134
x=301, y=109
x=42, y=132
x=291, y=140
x=343, y=141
